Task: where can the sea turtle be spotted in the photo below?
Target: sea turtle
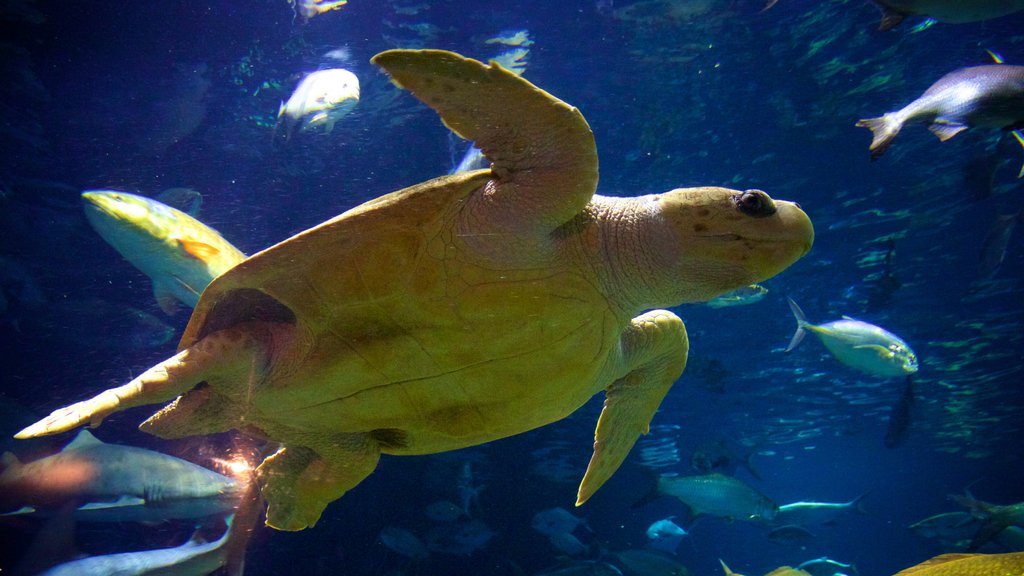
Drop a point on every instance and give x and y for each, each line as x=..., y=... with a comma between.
x=458, y=311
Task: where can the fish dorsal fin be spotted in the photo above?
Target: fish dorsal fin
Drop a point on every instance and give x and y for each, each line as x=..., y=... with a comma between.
x=946, y=130
x=85, y=439
x=850, y=318
x=9, y=462
x=199, y=250
x=890, y=18
x=187, y=200
x=941, y=559
x=121, y=502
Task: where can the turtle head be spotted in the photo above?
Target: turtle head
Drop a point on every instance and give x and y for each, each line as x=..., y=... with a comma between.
x=720, y=239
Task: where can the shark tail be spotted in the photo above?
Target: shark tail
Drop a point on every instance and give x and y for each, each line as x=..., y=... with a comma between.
x=858, y=503
x=801, y=321
x=883, y=131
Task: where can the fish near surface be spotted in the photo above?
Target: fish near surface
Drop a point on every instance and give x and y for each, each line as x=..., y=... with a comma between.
x=979, y=96
x=1011, y=564
x=949, y=11
x=321, y=99
x=122, y=482
x=180, y=254
x=716, y=495
x=862, y=346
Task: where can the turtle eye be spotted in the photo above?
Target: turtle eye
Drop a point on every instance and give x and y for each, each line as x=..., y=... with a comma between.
x=754, y=203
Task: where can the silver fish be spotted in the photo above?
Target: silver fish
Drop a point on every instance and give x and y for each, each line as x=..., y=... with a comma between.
x=717, y=495
x=818, y=513
x=865, y=347
x=825, y=566
x=984, y=96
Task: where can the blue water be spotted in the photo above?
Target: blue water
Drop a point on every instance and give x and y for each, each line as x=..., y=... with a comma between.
x=144, y=96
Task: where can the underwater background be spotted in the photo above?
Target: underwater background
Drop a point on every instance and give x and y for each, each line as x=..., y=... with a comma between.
x=146, y=96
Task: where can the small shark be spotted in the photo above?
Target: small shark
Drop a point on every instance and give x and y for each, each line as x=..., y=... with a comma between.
x=180, y=254
x=193, y=558
x=110, y=482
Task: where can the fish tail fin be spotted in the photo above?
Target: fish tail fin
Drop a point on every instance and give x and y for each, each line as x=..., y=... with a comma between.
x=748, y=463
x=1019, y=135
x=858, y=502
x=883, y=131
x=801, y=321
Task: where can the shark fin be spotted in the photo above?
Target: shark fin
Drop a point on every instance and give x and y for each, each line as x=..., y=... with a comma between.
x=165, y=299
x=85, y=439
x=199, y=250
x=9, y=461
x=122, y=502
x=946, y=130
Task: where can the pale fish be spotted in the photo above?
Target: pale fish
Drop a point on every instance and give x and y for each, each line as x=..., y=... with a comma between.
x=111, y=482
x=980, y=96
x=818, y=513
x=310, y=8
x=716, y=495
x=950, y=11
x=665, y=535
x=193, y=558
x=555, y=521
x=403, y=542
x=459, y=538
x=320, y=99
x=180, y=254
x=825, y=566
x=568, y=544
x=862, y=346
x=739, y=297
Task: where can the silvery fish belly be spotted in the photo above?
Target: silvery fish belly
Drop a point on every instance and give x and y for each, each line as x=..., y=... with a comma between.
x=867, y=348
x=991, y=96
x=321, y=99
x=980, y=96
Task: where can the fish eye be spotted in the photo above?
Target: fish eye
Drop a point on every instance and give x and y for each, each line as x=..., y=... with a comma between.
x=754, y=203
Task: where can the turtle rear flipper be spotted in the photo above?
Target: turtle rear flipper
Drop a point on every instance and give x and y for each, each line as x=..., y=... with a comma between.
x=298, y=483
x=216, y=356
x=543, y=152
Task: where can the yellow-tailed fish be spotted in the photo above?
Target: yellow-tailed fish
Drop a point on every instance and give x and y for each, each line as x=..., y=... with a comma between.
x=180, y=254
x=862, y=346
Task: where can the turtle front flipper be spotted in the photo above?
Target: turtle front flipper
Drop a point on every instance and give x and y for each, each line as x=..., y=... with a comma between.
x=654, y=350
x=221, y=354
x=543, y=152
x=298, y=483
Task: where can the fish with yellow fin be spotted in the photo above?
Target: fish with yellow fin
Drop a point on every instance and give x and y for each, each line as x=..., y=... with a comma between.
x=1010, y=564
x=180, y=254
